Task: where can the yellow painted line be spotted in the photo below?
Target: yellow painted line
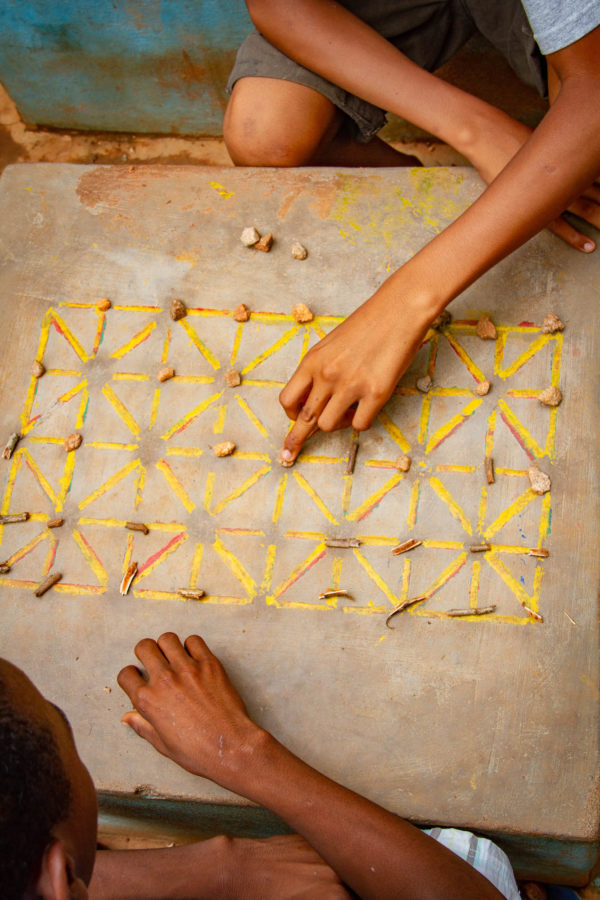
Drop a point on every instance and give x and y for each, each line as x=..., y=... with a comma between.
x=283, y=340
x=413, y=505
x=308, y=535
x=29, y=546
x=69, y=336
x=121, y=410
x=361, y=511
x=450, y=468
x=109, y=445
x=516, y=425
x=514, y=509
x=297, y=573
x=523, y=393
x=14, y=471
x=444, y=577
x=465, y=358
x=379, y=464
x=317, y=329
x=236, y=344
x=37, y=472
x=374, y=540
x=221, y=191
x=369, y=610
x=51, y=554
x=130, y=376
x=314, y=497
x=446, y=430
x=193, y=379
x=545, y=518
x=443, y=545
x=99, y=332
x=550, y=448
x=424, y=421
x=246, y=485
x=445, y=495
x=145, y=594
x=346, y=496
x=336, y=574
x=208, y=491
x=235, y=566
x=524, y=357
x=322, y=460
x=165, y=350
x=158, y=558
x=167, y=527
x=140, y=485
x=474, y=589
x=135, y=341
x=37, y=439
x=128, y=553
x=244, y=532
x=264, y=382
x=184, y=451
x=279, y=497
x=220, y=419
x=91, y=557
x=208, y=355
x=252, y=454
x=253, y=417
x=490, y=432
x=521, y=473
x=131, y=308
x=64, y=373
x=110, y=483
x=81, y=590
x=515, y=586
x=83, y=405
x=394, y=432
x=482, y=511
x=73, y=391
x=154, y=408
x=72, y=305
x=175, y=484
x=196, y=563
x=375, y=576
x=269, y=564
x=305, y=343
x=556, y=359
x=190, y=416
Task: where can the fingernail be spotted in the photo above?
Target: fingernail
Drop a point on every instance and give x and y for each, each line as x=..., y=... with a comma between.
x=588, y=246
x=286, y=454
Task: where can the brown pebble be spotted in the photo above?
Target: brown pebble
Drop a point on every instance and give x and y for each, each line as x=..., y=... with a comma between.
x=250, y=236
x=424, y=384
x=178, y=310
x=73, y=441
x=37, y=368
x=540, y=482
x=55, y=523
x=441, y=320
x=302, y=313
x=551, y=396
x=483, y=388
x=225, y=448
x=103, y=304
x=486, y=329
x=299, y=251
x=403, y=463
x=107, y=690
x=233, y=378
x=166, y=373
x=241, y=313
x=552, y=324
x=265, y=243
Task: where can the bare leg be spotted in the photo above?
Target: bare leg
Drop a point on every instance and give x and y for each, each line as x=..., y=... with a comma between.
x=271, y=122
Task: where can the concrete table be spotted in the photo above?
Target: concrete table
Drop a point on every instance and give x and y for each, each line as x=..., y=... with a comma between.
x=489, y=722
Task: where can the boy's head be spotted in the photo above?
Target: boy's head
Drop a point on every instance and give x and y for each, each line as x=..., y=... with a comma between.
x=47, y=799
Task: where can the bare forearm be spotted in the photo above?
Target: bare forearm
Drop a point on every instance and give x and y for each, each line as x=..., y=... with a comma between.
x=374, y=852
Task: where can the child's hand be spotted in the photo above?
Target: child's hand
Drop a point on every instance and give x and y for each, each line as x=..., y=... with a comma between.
x=188, y=709
x=348, y=376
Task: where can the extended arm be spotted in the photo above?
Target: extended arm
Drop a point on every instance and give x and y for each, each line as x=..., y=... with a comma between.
x=191, y=713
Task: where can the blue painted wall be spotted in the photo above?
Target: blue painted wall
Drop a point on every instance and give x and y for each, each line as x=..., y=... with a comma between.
x=121, y=65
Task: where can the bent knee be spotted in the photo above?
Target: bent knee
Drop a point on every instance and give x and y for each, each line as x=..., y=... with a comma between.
x=265, y=127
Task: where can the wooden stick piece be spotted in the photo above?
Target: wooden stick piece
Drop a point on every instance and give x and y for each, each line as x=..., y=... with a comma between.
x=489, y=470
x=4, y=568
x=11, y=444
x=191, y=593
x=405, y=546
x=47, y=583
x=352, y=454
x=335, y=593
x=540, y=552
x=13, y=517
x=343, y=543
x=55, y=523
x=404, y=605
x=137, y=526
x=479, y=548
x=128, y=578
x=534, y=615
x=472, y=611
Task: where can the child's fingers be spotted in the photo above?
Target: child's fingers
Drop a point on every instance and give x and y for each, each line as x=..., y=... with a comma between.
x=294, y=394
x=130, y=680
x=144, y=729
x=562, y=229
x=197, y=648
x=173, y=649
x=587, y=209
x=304, y=426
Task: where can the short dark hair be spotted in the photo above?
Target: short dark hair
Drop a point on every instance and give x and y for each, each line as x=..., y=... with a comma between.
x=35, y=795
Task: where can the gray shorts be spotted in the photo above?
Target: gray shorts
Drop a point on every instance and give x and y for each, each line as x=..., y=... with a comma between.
x=429, y=32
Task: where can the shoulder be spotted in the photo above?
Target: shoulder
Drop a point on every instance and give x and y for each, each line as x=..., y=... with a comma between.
x=558, y=23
